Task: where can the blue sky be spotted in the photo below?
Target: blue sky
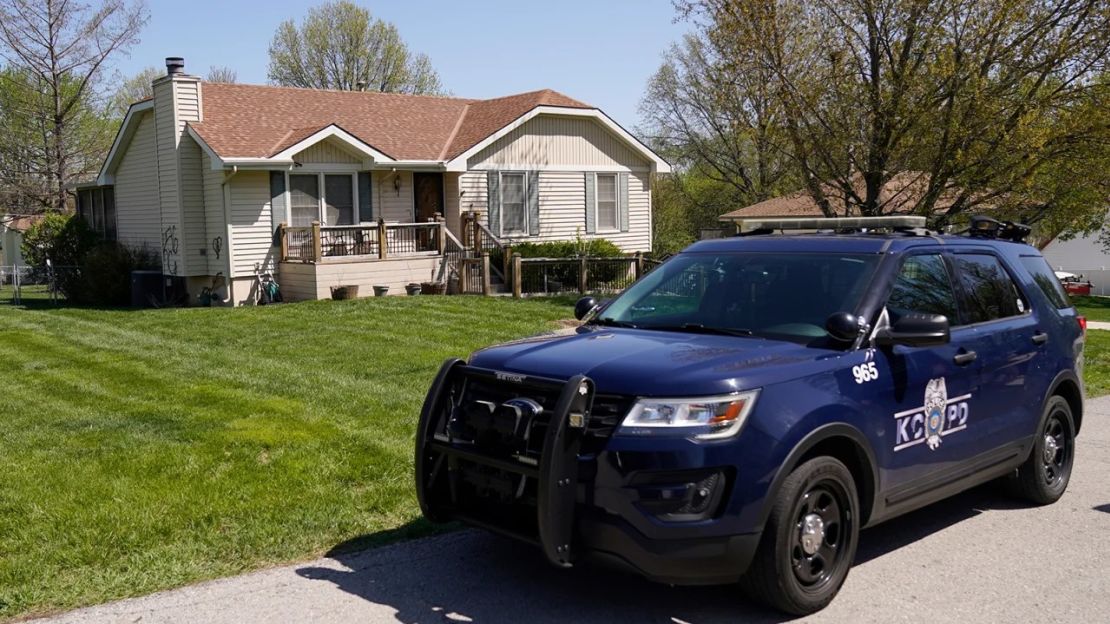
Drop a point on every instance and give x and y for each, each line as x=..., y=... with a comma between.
x=601, y=52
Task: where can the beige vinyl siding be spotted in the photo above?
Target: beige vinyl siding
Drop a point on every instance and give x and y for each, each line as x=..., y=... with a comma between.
x=314, y=281
x=563, y=208
x=195, y=243
x=215, y=221
x=176, y=101
x=327, y=151
x=472, y=190
x=547, y=141
x=249, y=211
x=451, y=202
x=138, y=218
x=390, y=204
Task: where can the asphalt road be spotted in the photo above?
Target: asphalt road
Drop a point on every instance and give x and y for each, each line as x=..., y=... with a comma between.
x=978, y=557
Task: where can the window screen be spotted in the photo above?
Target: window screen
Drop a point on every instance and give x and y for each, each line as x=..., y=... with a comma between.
x=923, y=286
x=606, y=201
x=1046, y=281
x=513, y=219
x=990, y=292
x=304, y=199
x=339, y=200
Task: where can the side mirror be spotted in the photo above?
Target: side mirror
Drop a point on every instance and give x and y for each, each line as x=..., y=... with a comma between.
x=583, y=307
x=915, y=330
x=843, y=326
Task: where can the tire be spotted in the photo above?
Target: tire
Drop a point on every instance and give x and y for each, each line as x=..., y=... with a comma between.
x=784, y=573
x=1044, y=476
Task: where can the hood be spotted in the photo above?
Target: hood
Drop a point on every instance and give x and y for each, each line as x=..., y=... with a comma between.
x=658, y=363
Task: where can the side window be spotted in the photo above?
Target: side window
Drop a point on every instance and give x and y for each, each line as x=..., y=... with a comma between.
x=1046, y=281
x=991, y=293
x=923, y=286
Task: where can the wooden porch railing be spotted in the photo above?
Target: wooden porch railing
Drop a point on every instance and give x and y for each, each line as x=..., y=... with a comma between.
x=381, y=240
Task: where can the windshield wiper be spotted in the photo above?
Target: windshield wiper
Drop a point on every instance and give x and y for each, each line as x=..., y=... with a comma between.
x=608, y=322
x=698, y=328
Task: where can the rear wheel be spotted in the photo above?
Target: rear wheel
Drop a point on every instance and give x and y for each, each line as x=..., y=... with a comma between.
x=1044, y=477
x=809, y=541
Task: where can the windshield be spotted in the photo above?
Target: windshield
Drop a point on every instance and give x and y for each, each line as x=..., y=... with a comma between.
x=785, y=295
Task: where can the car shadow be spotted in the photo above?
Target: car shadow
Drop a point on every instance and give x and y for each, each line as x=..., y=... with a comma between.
x=473, y=576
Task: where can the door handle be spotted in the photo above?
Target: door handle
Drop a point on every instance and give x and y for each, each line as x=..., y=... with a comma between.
x=965, y=357
x=1040, y=338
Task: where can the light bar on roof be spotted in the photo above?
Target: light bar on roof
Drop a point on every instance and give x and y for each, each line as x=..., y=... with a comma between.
x=833, y=223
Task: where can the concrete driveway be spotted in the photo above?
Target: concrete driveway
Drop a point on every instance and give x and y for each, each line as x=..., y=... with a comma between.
x=979, y=557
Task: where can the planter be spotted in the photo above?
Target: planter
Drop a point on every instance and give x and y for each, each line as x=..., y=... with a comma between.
x=432, y=288
x=340, y=293
x=413, y=289
x=381, y=291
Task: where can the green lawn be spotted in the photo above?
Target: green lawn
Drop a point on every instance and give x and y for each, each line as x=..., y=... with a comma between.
x=1094, y=308
x=141, y=450
x=145, y=449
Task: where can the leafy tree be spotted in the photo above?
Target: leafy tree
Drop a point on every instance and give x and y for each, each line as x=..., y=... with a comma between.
x=977, y=100
x=339, y=45
x=135, y=89
x=56, y=53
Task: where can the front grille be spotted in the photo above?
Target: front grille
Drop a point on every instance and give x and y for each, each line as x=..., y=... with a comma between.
x=605, y=415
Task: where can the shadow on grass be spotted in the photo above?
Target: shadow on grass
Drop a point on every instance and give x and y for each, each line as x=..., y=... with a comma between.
x=470, y=575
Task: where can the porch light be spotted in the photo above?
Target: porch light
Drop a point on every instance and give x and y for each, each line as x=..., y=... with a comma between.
x=397, y=183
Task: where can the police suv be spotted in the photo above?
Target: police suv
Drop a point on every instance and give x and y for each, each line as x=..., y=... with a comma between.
x=743, y=410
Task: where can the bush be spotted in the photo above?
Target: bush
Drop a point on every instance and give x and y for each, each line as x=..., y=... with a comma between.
x=106, y=272
x=64, y=241
x=595, y=248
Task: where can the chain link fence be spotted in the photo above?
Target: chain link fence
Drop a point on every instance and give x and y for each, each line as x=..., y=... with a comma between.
x=22, y=285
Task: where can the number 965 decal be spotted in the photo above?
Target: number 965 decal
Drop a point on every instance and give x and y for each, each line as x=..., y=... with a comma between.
x=865, y=372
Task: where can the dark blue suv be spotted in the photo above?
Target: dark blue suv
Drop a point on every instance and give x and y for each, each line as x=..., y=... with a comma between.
x=742, y=411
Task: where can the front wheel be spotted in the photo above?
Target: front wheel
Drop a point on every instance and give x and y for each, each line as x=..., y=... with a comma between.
x=1043, y=477
x=809, y=541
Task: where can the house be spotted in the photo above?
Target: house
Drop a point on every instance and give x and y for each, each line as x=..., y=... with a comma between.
x=12, y=228
x=327, y=188
x=1083, y=255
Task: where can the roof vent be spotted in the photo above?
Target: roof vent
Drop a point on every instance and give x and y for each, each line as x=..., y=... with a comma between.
x=175, y=65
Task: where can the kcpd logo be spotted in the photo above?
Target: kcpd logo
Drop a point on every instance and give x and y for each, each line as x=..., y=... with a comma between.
x=938, y=416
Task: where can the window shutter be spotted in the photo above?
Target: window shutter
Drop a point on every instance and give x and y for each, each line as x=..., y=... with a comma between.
x=278, y=213
x=533, y=203
x=591, y=203
x=493, y=201
x=622, y=200
x=365, y=198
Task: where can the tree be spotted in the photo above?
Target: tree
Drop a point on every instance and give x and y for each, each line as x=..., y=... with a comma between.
x=974, y=99
x=222, y=74
x=340, y=46
x=135, y=89
x=57, y=52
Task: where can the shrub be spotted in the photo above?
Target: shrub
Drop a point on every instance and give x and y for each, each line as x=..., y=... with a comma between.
x=594, y=248
x=106, y=272
x=64, y=240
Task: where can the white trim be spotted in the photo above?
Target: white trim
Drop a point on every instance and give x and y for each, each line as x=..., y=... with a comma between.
x=658, y=165
x=333, y=131
x=123, y=135
x=561, y=168
x=616, y=204
x=321, y=192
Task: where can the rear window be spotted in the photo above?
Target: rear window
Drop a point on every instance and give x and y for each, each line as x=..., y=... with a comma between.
x=990, y=292
x=1046, y=281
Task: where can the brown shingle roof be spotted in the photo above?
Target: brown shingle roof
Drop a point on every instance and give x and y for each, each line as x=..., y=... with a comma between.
x=251, y=121
x=20, y=223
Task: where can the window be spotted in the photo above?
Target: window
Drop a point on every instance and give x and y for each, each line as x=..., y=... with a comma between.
x=1046, y=280
x=607, y=202
x=339, y=198
x=304, y=199
x=514, y=215
x=990, y=292
x=923, y=287
x=97, y=206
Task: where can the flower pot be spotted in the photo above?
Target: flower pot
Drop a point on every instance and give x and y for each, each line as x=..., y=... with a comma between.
x=413, y=289
x=381, y=291
x=432, y=288
x=340, y=293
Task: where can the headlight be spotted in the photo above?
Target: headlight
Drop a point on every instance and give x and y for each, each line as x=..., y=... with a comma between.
x=701, y=418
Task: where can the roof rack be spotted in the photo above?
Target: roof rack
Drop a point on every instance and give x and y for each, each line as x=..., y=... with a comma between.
x=833, y=223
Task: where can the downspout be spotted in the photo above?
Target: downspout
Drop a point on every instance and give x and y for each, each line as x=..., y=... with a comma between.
x=229, y=254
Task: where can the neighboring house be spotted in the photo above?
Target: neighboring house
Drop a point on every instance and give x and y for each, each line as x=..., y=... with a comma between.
x=12, y=228
x=206, y=174
x=1082, y=255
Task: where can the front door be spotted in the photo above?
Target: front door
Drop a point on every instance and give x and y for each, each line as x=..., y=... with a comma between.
x=428, y=190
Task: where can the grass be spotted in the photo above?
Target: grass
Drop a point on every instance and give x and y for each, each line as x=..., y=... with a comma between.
x=1094, y=308
x=146, y=449
x=142, y=450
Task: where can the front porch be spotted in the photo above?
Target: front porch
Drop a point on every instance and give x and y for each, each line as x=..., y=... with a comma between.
x=316, y=258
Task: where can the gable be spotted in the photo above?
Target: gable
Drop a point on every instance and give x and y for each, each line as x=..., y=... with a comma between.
x=551, y=140
x=328, y=151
